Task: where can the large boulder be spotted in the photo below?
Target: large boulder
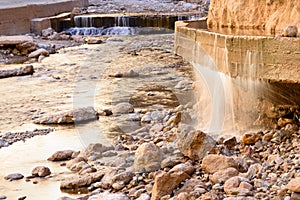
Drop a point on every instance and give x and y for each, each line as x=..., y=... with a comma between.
x=147, y=158
x=195, y=144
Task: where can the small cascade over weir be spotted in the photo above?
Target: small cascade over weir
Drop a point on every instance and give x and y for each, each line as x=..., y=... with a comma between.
x=99, y=25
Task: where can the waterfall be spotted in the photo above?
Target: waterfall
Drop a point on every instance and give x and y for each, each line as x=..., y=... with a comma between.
x=122, y=21
x=83, y=21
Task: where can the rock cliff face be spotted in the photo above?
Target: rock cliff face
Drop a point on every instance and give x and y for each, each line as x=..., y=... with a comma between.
x=271, y=15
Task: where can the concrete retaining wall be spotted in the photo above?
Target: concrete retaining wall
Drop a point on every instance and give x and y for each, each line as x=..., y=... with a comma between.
x=258, y=57
x=17, y=20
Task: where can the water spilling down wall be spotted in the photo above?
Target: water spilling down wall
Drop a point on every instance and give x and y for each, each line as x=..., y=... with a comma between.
x=243, y=81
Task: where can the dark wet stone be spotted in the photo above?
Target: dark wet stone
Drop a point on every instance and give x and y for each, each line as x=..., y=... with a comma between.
x=12, y=177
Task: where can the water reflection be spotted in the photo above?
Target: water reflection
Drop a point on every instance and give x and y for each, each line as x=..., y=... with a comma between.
x=22, y=157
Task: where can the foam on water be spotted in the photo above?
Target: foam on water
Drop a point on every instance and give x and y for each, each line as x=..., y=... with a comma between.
x=92, y=31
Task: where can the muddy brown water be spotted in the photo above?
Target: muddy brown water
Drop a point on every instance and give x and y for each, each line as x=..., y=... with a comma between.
x=78, y=77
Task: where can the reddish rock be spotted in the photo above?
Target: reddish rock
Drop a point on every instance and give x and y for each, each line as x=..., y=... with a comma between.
x=165, y=183
x=250, y=138
x=195, y=144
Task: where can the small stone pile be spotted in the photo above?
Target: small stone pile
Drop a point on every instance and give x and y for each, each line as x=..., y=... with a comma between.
x=9, y=138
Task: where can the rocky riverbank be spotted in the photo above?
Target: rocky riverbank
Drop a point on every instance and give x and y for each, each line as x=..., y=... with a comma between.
x=140, y=96
x=147, y=164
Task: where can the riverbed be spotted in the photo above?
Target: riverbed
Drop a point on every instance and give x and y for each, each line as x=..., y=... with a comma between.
x=79, y=77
